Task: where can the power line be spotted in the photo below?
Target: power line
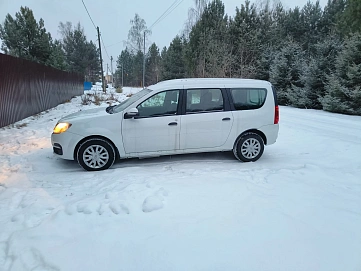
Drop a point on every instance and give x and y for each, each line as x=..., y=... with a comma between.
x=115, y=43
x=172, y=7
x=104, y=46
x=100, y=48
x=88, y=14
x=163, y=13
x=96, y=28
x=168, y=13
x=169, y=10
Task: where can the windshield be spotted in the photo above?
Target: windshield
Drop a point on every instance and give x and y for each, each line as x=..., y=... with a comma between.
x=120, y=107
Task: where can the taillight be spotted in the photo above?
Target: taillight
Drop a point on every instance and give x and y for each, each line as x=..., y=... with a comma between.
x=277, y=114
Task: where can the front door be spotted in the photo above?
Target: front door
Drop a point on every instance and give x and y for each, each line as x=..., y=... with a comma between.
x=157, y=127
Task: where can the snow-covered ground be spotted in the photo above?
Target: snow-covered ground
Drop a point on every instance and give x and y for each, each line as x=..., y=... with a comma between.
x=297, y=208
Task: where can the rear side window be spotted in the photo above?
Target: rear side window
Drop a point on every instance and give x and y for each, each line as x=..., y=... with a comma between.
x=204, y=100
x=248, y=98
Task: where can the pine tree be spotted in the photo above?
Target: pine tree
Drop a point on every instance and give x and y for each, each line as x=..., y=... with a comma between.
x=320, y=66
x=57, y=56
x=343, y=88
x=125, y=66
x=152, y=70
x=286, y=70
x=350, y=20
x=313, y=25
x=24, y=37
x=207, y=54
x=277, y=30
x=294, y=26
x=331, y=15
x=173, y=63
x=217, y=52
x=92, y=70
x=137, y=69
x=264, y=63
x=163, y=55
x=81, y=56
x=245, y=40
x=218, y=56
x=298, y=94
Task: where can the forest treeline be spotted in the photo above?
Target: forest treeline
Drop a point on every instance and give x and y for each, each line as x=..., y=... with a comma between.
x=311, y=54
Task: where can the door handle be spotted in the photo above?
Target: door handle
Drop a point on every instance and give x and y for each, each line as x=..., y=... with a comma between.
x=226, y=119
x=172, y=124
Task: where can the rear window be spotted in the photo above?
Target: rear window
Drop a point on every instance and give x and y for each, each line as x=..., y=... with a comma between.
x=248, y=98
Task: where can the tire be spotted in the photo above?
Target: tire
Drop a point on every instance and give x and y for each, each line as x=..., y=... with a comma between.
x=249, y=147
x=96, y=154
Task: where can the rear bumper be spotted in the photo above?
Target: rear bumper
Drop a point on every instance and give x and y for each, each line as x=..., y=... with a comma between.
x=64, y=144
x=271, y=133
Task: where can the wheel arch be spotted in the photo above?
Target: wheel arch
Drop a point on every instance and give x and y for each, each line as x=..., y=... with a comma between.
x=255, y=131
x=117, y=155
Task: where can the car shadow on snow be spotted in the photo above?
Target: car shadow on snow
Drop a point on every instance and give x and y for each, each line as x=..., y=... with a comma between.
x=68, y=165
x=209, y=157
x=220, y=157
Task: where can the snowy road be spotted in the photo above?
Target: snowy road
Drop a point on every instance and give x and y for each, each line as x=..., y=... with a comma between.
x=297, y=208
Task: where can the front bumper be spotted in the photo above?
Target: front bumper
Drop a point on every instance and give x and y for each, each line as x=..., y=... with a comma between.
x=57, y=149
x=64, y=144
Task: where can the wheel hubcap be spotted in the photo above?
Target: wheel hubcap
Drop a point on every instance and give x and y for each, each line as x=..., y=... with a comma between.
x=95, y=156
x=250, y=148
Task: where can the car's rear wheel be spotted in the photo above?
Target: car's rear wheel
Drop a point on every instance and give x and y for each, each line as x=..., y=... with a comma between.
x=249, y=147
x=96, y=154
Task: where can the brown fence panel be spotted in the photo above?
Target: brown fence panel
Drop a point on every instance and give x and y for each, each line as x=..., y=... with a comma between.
x=28, y=88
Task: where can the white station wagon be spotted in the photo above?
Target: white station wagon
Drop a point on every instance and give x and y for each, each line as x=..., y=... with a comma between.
x=174, y=117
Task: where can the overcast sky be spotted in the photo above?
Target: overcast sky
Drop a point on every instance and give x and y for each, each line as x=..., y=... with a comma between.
x=113, y=17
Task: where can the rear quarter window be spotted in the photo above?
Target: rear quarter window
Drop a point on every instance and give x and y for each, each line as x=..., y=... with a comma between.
x=248, y=98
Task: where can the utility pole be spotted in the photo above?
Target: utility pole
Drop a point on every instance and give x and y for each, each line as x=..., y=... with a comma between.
x=144, y=63
x=101, y=60
x=111, y=67
x=107, y=74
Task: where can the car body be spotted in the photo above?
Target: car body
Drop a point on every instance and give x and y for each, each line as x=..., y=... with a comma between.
x=174, y=117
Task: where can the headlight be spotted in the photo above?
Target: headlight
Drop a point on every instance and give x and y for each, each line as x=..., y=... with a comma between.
x=61, y=127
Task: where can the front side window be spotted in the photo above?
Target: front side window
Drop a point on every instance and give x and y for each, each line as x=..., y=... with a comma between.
x=248, y=98
x=204, y=100
x=123, y=105
x=161, y=104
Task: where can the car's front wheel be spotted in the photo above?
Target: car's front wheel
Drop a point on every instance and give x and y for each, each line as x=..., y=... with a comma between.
x=249, y=147
x=96, y=154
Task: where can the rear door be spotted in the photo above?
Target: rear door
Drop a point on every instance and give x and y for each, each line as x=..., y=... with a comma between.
x=206, y=122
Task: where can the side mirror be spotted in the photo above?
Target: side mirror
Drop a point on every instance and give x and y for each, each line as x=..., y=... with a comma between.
x=132, y=113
